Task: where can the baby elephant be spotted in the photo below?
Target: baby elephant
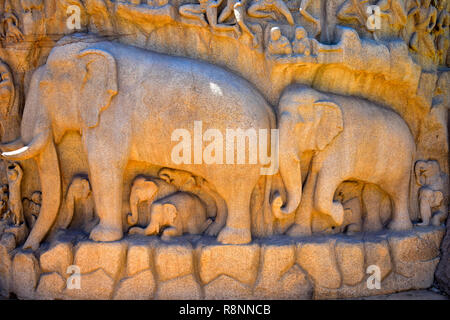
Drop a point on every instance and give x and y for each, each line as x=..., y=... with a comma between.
x=178, y=213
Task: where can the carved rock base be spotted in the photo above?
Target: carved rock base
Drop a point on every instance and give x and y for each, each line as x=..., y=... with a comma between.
x=199, y=268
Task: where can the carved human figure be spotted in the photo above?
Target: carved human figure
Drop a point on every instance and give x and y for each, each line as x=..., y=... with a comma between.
x=301, y=44
x=195, y=11
x=9, y=24
x=442, y=31
x=211, y=15
x=32, y=207
x=268, y=8
x=14, y=173
x=394, y=11
x=228, y=11
x=429, y=177
x=214, y=203
x=339, y=131
x=206, y=13
x=175, y=215
x=7, y=98
x=425, y=16
x=239, y=13
x=278, y=44
x=308, y=16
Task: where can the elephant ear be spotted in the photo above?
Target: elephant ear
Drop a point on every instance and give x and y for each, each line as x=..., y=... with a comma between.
x=329, y=123
x=99, y=84
x=170, y=212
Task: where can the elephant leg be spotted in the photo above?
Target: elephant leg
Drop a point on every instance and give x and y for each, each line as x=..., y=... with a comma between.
x=302, y=225
x=372, y=200
x=237, y=229
x=106, y=180
x=327, y=183
x=399, y=194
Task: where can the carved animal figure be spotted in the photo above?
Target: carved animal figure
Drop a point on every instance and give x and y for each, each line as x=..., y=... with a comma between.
x=429, y=177
x=350, y=139
x=147, y=190
x=122, y=100
x=32, y=207
x=178, y=214
x=186, y=182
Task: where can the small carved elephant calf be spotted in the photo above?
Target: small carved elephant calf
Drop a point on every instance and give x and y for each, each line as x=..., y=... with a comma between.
x=178, y=213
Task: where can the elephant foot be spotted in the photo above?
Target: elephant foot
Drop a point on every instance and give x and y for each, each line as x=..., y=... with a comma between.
x=400, y=225
x=297, y=230
x=106, y=234
x=31, y=244
x=137, y=230
x=234, y=236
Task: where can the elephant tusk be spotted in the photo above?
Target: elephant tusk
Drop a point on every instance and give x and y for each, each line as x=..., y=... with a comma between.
x=30, y=151
x=15, y=152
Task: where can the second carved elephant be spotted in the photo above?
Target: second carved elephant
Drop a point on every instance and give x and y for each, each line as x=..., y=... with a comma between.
x=349, y=139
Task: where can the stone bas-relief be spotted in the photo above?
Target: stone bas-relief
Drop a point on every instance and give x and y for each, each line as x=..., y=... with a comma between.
x=354, y=121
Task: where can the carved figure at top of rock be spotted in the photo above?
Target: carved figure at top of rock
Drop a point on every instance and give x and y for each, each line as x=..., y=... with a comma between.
x=340, y=132
x=7, y=91
x=175, y=215
x=32, y=207
x=429, y=176
x=195, y=12
x=309, y=17
x=14, y=173
x=355, y=10
x=269, y=8
x=425, y=16
x=211, y=15
x=301, y=44
x=239, y=13
x=278, y=44
x=91, y=101
x=9, y=23
x=214, y=203
x=442, y=32
x=395, y=13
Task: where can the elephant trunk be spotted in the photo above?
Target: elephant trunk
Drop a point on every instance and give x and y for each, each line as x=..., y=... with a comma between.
x=49, y=173
x=290, y=173
x=36, y=147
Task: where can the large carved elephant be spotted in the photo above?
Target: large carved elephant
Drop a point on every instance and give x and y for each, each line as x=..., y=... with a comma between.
x=349, y=139
x=126, y=103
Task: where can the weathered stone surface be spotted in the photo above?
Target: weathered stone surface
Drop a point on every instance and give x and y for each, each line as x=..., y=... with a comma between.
x=140, y=286
x=50, y=287
x=8, y=240
x=97, y=285
x=172, y=261
x=138, y=258
x=25, y=274
x=294, y=285
x=5, y=270
x=377, y=253
x=183, y=288
x=20, y=233
x=443, y=269
x=350, y=257
x=319, y=261
x=110, y=256
x=228, y=260
x=226, y=288
x=57, y=258
x=276, y=262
